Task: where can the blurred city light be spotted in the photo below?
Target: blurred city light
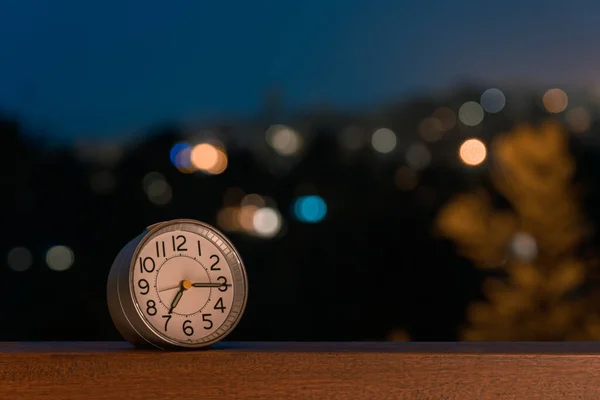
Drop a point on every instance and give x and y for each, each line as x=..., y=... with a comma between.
x=228, y=219
x=523, y=247
x=472, y=152
x=470, y=113
x=246, y=217
x=383, y=140
x=253, y=199
x=205, y=156
x=19, y=259
x=267, y=222
x=446, y=116
x=493, y=100
x=352, y=138
x=310, y=209
x=578, y=119
x=431, y=129
x=60, y=258
x=180, y=156
x=284, y=140
x=102, y=182
x=209, y=158
x=418, y=156
x=555, y=101
x=157, y=188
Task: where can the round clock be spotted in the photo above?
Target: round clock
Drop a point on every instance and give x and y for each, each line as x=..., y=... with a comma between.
x=180, y=284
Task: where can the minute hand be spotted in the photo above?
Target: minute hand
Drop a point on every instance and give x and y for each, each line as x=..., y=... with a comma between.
x=206, y=284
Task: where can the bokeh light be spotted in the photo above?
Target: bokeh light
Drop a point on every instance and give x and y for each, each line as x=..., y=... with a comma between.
x=493, y=100
x=384, y=140
x=472, y=152
x=310, y=209
x=555, y=101
x=60, y=258
x=19, y=259
x=209, y=158
x=181, y=157
x=284, y=140
x=418, y=156
x=578, y=119
x=103, y=182
x=228, y=219
x=157, y=188
x=431, y=129
x=523, y=247
x=253, y=199
x=246, y=217
x=352, y=138
x=446, y=116
x=205, y=156
x=267, y=222
x=470, y=113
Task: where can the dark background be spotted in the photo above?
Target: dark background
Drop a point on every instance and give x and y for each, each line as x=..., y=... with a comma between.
x=377, y=266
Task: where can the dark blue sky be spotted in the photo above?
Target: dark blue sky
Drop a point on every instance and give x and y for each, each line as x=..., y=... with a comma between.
x=80, y=68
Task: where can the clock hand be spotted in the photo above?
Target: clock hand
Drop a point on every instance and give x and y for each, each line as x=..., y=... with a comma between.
x=170, y=287
x=206, y=284
x=185, y=285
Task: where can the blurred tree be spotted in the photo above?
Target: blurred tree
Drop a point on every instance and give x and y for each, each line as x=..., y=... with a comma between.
x=534, y=289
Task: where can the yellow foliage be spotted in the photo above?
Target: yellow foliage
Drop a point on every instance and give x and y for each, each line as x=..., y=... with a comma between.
x=532, y=168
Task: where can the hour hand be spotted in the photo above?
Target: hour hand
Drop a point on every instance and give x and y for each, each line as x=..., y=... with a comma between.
x=206, y=284
x=176, y=300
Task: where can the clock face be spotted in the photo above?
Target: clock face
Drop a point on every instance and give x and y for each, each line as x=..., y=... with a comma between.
x=188, y=284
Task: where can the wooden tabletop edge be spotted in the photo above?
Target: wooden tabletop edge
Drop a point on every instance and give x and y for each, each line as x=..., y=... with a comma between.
x=518, y=348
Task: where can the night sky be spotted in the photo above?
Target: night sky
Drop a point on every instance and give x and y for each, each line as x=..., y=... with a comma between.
x=78, y=68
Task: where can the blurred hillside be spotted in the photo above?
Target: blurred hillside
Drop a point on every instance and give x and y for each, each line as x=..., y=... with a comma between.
x=332, y=212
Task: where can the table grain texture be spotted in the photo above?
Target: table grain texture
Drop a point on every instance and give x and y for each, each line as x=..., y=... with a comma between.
x=280, y=370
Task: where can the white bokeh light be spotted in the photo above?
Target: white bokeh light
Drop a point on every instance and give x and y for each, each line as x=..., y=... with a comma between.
x=284, y=140
x=524, y=247
x=470, y=113
x=384, y=140
x=266, y=222
x=60, y=258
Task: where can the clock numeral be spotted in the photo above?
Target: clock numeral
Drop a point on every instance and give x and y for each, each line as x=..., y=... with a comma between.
x=205, y=318
x=147, y=264
x=168, y=317
x=161, y=246
x=212, y=267
x=224, y=284
x=187, y=329
x=178, y=247
x=219, y=305
x=144, y=285
x=151, y=310
x=199, y=249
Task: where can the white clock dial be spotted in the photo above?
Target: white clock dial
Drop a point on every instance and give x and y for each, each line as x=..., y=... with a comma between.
x=185, y=282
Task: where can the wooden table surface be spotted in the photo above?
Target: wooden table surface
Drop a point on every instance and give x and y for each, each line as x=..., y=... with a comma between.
x=263, y=370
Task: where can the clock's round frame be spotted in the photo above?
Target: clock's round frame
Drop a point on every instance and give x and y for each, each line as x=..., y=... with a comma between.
x=124, y=310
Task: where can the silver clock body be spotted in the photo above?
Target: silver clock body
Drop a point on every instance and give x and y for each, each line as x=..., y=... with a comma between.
x=123, y=302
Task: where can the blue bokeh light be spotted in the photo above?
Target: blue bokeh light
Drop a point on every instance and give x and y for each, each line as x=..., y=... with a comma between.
x=180, y=155
x=310, y=209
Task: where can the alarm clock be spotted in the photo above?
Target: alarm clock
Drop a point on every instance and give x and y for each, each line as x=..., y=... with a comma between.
x=179, y=284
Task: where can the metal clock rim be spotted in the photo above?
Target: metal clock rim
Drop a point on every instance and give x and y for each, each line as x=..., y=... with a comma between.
x=152, y=229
